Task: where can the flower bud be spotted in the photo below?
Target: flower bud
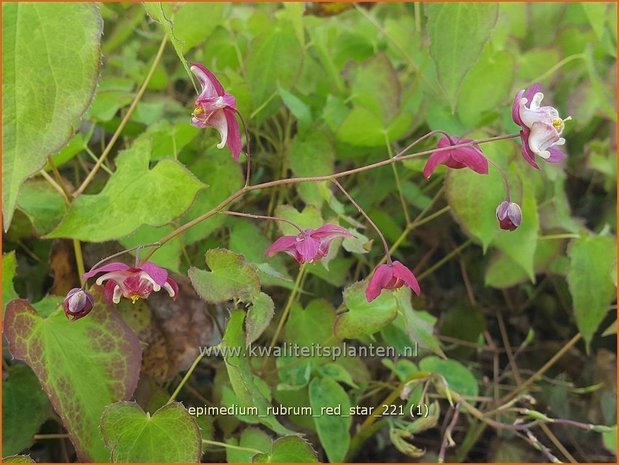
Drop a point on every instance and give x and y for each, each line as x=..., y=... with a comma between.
x=509, y=215
x=78, y=303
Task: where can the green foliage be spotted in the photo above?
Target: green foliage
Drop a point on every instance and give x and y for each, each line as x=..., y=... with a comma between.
x=170, y=435
x=458, y=32
x=88, y=350
x=231, y=277
x=9, y=268
x=330, y=405
x=289, y=449
x=26, y=408
x=47, y=86
x=258, y=317
x=135, y=195
x=593, y=260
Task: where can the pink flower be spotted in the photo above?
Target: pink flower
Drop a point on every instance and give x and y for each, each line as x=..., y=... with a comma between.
x=462, y=157
x=509, y=215
x=310, y=245
x=132, y=282
x=78, y=303
x=215, y=108
x=390, y=276
x=541, y=127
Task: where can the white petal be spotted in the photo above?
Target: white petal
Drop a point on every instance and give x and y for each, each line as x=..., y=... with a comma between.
x=208, y=90
x=541, y=138
x=536, y=101
x=117, y=294
x=169, y=288
x=219, y=122
x=146, y=276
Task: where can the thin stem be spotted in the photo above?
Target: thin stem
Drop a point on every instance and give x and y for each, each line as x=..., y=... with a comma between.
x=125, y=119
x=193, y=366
x=55, y=185
x=291, y=300
x=429, y=218
x=444, y=260
x=295, y=180
x=571, y=343
x=369, y=220
x=503, y=176
x=262, y=217
x=122, y=252
x=558, y=236
x=231, y=446
x=79, y=259
x=398, y=184
x=96, y=160
x=58, y=177
x=248, y=150
x=447, y=439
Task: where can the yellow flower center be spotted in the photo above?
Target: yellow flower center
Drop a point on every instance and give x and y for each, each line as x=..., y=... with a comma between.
x=557, y=123
x=198, y=111
x=134, y=298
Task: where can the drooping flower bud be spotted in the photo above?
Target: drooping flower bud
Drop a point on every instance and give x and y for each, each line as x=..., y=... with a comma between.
x=78, y=303
x=509, y=215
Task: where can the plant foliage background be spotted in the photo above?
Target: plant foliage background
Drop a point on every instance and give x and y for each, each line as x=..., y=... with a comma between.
x=323, y=88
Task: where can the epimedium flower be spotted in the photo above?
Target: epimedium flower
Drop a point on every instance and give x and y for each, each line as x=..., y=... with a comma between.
x=310, y=245
x=540, y=126
x=133, y=283
x=391, y=276
x=461, y=157
x=509, y=215
x=216, y=108
x=78, y=303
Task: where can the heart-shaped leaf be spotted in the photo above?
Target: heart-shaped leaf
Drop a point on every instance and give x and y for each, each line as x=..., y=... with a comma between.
x=170, y=435
x=82, y=365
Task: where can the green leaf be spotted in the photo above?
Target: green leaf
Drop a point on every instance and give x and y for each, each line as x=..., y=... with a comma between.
x=458, y=32
x=43, y=204
x=275, y=60
x=194, y=22
x=312, y=155
x=590, y=279
x=419, y=325
x=310, y=217
x=18, y=459
x=364, y=318
x=298, y=108
x=170, y=435
x=83, y=365
x=333, y=425
x=167, y=256
x=486, y=87
x=337, y=373
x=258, y=317
x=318, y=315
x=231, y=277
x=9, y=267
x=610, y=439
x=135, y=195
x=25, y=408
x=241, y=378
x=597, y=14
x=251, y=438
x=289, y=449
x=458, y=377
x=46, y=84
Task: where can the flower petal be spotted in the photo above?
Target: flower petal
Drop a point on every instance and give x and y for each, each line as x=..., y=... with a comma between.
x=234, y=135
x=283, y=244
x=218, y=121
x=472, y=157
x=159, y=275
x=114, y=266
x=542, y=137
x=527, y=154
x=171, y=287
x=556, y=155
x=329, y=232
x=211, y=87
x=308, y=248
x=406, y=275
x=437, y=158
x=379, y=280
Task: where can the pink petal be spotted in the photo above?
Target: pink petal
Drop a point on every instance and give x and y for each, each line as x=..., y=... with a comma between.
x=159, y=275
x=172, y=284
x=211, y=86
x=114, y=266
x=379, y=280
x=329, y=232
x=308, y=248
x=527, y=154
x=234, y=135
x=471, y=157
x=283, y=244
x=406, y=275
x=516, y=108
x=108, y=291
x=437, y=158
x=556, y=155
